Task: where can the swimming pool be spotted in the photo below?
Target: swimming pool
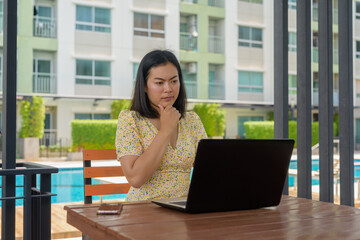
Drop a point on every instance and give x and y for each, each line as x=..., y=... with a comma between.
x=315, y=167
x=67, y=184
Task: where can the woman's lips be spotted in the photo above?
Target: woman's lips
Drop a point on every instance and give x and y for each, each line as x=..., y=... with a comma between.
x=168, y=98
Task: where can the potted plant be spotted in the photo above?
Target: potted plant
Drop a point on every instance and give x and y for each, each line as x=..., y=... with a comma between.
x=32, y=113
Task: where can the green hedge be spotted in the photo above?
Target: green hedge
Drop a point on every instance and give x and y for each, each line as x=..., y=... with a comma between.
x=93, y=134
x=265, y=129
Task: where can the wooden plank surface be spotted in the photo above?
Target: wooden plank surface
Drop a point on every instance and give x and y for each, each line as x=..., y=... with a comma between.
x=99, y=154
x=113, y=171
x=104, y=189
x=294, y=218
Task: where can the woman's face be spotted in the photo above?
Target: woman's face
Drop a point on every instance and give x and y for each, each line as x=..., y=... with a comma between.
x=163, y=85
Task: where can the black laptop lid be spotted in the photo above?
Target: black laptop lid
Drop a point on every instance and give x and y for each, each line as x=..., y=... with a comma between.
x=236, y=174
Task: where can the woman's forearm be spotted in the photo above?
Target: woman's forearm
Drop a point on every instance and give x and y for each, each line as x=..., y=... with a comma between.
x=138, y=170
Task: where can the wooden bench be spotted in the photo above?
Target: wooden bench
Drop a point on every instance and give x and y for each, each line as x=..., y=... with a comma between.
x=91, y=172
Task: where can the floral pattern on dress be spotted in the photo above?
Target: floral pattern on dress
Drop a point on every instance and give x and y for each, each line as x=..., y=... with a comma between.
x=134, y=135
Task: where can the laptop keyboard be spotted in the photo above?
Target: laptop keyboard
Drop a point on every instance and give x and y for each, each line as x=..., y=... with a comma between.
x=180, y=203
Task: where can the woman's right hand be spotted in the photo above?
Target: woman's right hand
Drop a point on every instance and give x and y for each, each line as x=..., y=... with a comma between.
x=169, y=118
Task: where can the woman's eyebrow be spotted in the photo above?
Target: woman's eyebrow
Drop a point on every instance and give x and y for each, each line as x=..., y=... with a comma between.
x=159, y=78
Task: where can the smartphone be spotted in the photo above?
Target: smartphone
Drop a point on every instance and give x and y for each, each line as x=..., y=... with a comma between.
x=109, y=209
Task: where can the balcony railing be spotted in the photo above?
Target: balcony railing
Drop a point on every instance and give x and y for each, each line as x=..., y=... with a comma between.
x=190, y=1
x=216, y=3
x=44, y=27
x=44, y=83
x=191, y=89
x=216, y=44
x=188, y=42
x=217, y=90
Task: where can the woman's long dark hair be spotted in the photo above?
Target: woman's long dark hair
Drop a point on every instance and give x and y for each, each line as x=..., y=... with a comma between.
x=140, y=101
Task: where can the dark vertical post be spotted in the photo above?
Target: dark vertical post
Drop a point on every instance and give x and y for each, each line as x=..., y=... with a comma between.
x=326, y=101
x=281, y=89
x=45, y=207
x=303, y=18
x=346, y=110
x=9, y=118
x=27, y=207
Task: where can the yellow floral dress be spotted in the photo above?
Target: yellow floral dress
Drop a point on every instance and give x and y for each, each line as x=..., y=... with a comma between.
x=172, y=179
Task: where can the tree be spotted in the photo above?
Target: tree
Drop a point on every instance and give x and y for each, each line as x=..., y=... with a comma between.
x=118, y=105
x=32, y=113
x=212, y=117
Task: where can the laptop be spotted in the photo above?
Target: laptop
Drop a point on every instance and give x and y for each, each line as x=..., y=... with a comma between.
x=235, y=174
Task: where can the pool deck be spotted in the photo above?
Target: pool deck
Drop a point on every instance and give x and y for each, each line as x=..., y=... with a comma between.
x=60, y=229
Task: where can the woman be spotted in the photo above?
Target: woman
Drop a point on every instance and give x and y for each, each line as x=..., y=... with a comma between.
x=156, y=140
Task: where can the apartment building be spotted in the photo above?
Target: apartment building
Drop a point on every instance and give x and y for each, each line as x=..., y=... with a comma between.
x=82, y=54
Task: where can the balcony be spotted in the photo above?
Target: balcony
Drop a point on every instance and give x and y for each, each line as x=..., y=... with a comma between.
x=217, y=90
x=188, y=42
x=190, y=1
x=216, y=44
x=191, y=88
x=44, y=27
x=44, y=83
x=216, y=3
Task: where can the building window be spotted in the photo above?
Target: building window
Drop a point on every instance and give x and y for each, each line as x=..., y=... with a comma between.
x=252, y=1
x=292, y=4
x=242, y=120
x=93, y=72
x=250, y=82
x=357, y=13
x=292, y=84
x=250, y=37
x=1, y=73
x=149, y=25
x=96, y=116
x=292, y=41
x=1, y=16
x=357, y=49
x=93, y=19
x=135, y=70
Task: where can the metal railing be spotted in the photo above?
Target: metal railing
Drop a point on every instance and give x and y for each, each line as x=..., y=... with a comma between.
x=190, y=1
x=217, y=90
x=216, y=3
x=216, y=44
x=188, y=41
x=44, y=27
x=37, y=200
x=49, y=137
x=191, y=89
x=44, y=83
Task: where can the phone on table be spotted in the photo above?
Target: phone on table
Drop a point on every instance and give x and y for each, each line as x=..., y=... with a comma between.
x=110, y=209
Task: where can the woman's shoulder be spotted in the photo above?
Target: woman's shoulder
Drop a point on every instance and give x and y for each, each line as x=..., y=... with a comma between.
x=191, y=115
x=129, y=115
x=191, y=118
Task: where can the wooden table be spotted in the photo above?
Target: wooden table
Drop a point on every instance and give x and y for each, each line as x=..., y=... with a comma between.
x=294, y=218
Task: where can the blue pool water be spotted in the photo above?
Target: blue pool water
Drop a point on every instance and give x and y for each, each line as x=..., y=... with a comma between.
x=315, y=167
x=67, y=184
x=69, y=187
